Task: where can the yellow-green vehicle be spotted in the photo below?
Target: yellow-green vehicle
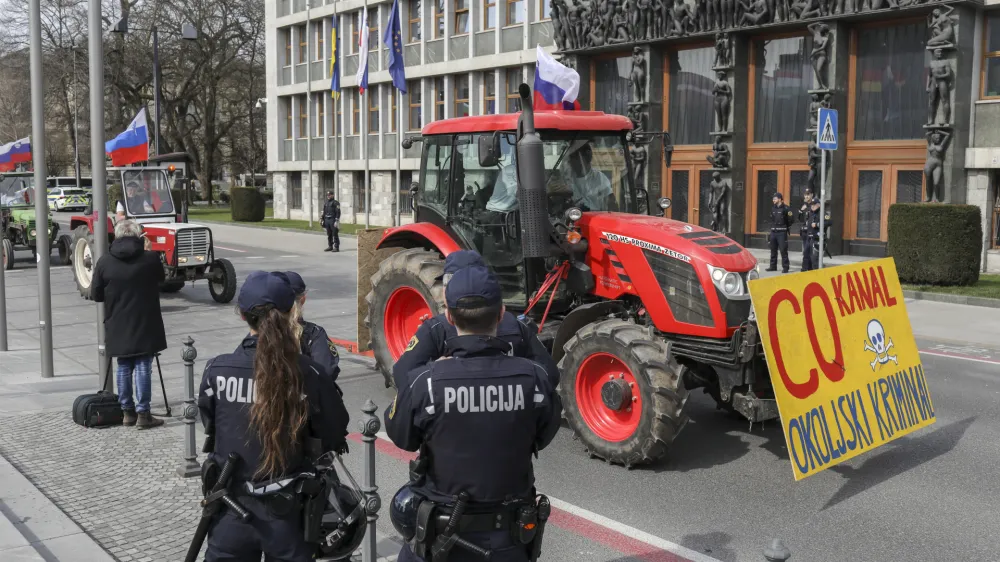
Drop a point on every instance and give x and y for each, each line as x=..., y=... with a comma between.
x=17, y=220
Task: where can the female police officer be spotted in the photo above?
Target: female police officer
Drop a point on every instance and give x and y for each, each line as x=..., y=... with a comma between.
x=261, y=402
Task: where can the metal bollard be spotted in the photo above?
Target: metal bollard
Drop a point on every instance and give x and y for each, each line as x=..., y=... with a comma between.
x=190, y=467
x=370, y=425
x=777, y=553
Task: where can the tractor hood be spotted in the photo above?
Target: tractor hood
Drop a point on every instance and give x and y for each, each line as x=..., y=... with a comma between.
x=676, y=239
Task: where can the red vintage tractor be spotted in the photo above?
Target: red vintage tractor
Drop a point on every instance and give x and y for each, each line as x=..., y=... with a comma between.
x=186, y=250
x=638, y=310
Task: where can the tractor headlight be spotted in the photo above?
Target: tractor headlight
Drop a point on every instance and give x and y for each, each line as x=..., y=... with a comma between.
x=32, y=233
x=754, y=273
x=182, y=259
x=731, y=284
x=574, y=214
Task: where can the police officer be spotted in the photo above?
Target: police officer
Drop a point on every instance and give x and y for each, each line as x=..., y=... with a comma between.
x=331, y=221
x=477, y=416
x=247, y=409
x=810, y=241
x=781, y=221
x=428, y=343
x=316, y=344
x=803, y=219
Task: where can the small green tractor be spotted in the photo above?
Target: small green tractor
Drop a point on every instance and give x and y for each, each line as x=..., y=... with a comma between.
x=17, y=220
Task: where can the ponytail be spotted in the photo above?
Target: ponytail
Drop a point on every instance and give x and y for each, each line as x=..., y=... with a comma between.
x=279, y=412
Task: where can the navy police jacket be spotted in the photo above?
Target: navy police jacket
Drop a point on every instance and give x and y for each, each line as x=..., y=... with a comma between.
x=227, y=393
x=480, y=414
x=317, y=346
x=428, y=344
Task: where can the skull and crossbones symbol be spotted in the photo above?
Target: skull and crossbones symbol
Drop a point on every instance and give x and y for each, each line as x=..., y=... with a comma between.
x=878, y=344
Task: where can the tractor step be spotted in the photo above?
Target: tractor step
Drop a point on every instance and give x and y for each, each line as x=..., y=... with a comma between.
x=754, y=408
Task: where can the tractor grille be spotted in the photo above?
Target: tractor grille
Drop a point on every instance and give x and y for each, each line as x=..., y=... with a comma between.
x=192, y=242
x=681, y=288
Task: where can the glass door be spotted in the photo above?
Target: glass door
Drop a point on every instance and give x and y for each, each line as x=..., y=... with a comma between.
x=791, y=181
x=879, y=187
x=690, y=194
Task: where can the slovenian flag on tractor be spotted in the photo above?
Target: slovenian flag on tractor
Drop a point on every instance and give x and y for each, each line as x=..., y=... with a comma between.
x=556, y=85
x=14, y=153
x=131, y=146
x=363, y=50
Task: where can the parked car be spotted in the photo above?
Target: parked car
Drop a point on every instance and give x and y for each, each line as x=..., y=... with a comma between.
x=64, y=198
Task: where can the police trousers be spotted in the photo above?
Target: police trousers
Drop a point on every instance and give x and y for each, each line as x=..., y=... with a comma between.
x=499, y=542
x=810, y=256
x=278, y=540
x=779, y=241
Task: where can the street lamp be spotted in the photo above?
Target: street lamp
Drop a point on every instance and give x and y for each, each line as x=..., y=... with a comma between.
x=188, y=33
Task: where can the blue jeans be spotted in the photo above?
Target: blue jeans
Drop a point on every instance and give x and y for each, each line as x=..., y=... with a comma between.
x=143, y=367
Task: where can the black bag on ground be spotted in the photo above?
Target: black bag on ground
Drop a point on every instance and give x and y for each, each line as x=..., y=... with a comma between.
x=100, y=409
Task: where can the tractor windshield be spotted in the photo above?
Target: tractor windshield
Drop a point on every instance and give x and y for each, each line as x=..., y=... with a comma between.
x=147, y=192
x=587, y=170
x=17, y=190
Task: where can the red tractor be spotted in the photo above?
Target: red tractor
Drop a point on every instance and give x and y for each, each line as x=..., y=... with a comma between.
x=186, y=250
x=638, y=310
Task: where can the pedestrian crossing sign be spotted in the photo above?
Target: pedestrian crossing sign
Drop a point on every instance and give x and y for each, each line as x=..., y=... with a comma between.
x=827, y=139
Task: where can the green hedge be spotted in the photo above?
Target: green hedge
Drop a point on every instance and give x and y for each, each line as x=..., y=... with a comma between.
x=247, y=204
x=114, y=196
x=178, y=196
x=936, y=244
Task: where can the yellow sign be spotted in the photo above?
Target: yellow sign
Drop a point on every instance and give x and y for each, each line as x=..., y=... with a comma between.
x=844, y=365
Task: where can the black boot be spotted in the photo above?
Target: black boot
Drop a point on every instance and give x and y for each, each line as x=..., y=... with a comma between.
x=328, y=249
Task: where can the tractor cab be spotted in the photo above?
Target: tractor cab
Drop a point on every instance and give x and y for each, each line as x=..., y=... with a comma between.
x=146, y=195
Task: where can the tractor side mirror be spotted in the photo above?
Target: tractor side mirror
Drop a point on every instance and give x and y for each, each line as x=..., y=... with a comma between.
x=89, y=210
x=414, y=188
x=489, y=150
x=668, y=153
x=643, y=197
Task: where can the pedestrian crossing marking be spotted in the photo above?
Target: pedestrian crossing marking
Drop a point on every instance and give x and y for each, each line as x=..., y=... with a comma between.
x=828, y=136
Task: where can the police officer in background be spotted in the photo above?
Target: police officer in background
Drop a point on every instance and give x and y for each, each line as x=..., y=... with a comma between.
x=428, y=343
x=781, y=221
x=810, y=241
x=247, y=409
x=331, y=222
x=477, y=416
x=316, y=344
x=803, y=219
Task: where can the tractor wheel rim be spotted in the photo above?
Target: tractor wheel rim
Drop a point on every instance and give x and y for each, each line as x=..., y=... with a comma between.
x=404, y=311
x=219, y=286
x=608, y=397
x=83, y=262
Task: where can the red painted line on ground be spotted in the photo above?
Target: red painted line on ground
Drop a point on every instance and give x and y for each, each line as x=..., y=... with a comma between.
x=959, y=356
x=565, y=520
x=230, y=249
x=351, y=347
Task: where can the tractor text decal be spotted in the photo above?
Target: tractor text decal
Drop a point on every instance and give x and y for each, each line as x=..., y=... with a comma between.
x=645, y=245
x=844, y=365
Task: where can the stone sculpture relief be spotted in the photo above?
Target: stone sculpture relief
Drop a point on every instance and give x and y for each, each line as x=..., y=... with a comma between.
x=720, y=155
x=942, y=27
x=815, y=157
x=638, y=75
x=814, y=104
x=820, y=52
x=640, y=156
x=636, y=112
x=723, y=94
x=937, y=146
x=719, y=203
x=940, y=81
x=754, y=12
x=722, y=51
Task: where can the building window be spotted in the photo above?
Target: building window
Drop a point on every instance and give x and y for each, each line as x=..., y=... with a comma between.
x=288, y=47
x=393, y=110
x=544, y=9
x=359, y=192
x=414, y=121
x=356, y=112
x=991, y=59
x=692, y=109
x=295, y=187
x=783, y=74
x=303, y=44
x=513, y=97
x=318, y=34
x=438, y=19
x=515, y=12
x=490, y=14
x=414, y=13
x=355, y=28
x=438, y=98
x=373, y=37
x=612, y=88
x=373, y=111
x=461, y=17
x=490, y=93
x=461, y=95
x=320, y=115
x=288, y=119
x=890, y=91
x=303, y=118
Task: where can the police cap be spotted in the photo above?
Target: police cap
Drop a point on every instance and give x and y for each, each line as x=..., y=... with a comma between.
x=473, y=287
x=296, y=281
x=777, y=195
x=262, y=288
x=459, y=260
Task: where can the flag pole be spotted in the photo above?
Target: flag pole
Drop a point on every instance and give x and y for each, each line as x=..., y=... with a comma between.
x=364, y=140
x=97, y=162
x=399, y=151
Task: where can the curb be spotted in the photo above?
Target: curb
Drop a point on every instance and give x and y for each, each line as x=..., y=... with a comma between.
x=278, y=228
x=952, y=299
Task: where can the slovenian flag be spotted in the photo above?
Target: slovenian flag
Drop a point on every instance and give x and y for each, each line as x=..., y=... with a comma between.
x=14, y=153
x=363, y=53
x=131, y=146
x=556, y=85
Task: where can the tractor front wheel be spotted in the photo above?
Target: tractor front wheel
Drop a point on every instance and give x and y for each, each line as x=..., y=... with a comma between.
x=223, y=289
x=405, y=292
x=172, y=286
x=8, y=254
x=83, y=260
x=65, y=247
x=622, y=392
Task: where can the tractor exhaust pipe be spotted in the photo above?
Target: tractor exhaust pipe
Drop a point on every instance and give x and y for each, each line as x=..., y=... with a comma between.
x=531, y=195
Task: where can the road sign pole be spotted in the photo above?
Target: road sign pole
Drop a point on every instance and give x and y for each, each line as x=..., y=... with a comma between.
x=822, y=205
x=826, y=139
x=3, y=300
x=97, y=171
x=41, y=200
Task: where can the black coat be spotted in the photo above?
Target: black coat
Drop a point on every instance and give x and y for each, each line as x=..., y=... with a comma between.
x=127, y=280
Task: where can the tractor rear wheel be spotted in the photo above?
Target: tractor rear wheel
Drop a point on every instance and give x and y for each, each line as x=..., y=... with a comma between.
x=622, y=392
x=83, y=260
x=172, y=286
x=224, y=289
x=405, y=292
x=65, y=247
x=8, y=254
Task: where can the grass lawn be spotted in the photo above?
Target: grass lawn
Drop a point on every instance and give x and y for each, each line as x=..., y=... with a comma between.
x=222, y=214
x=987, y=287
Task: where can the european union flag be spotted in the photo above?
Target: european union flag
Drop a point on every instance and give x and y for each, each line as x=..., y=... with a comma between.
x=394, y=41
x=334, y=63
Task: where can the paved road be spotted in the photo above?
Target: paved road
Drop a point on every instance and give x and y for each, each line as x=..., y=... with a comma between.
x=725, y=488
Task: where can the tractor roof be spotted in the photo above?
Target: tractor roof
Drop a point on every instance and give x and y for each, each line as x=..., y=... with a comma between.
x=558, y=120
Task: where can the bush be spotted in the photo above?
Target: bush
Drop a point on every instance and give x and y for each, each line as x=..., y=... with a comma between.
x=247, y=205
x=936, y=244
x=178, y=196
x=114, y=196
